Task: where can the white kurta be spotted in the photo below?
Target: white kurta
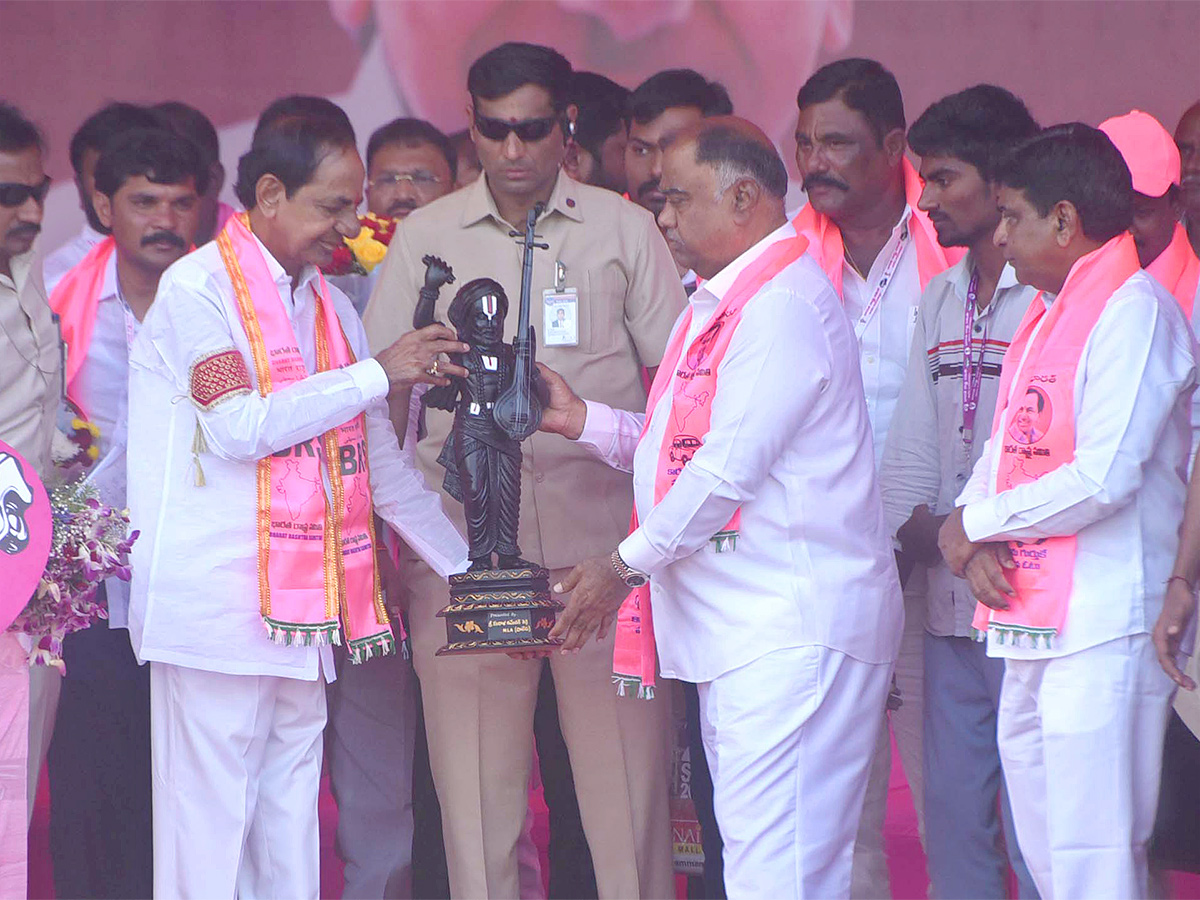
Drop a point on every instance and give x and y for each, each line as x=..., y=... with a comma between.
x=789, y=443
x=1122, y=495
x=194, y=595
x=237, y=720
x=796, y=625
x=1081, y=724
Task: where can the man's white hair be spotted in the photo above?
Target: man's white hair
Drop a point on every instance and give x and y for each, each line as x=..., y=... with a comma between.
x=730, y=173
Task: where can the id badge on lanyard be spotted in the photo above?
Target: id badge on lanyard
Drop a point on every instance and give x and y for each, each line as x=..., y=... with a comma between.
x=560, y=311
x=889, y=271
x=972, y=374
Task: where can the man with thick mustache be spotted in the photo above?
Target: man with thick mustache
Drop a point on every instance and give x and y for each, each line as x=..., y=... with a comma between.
x=148, y=184
x=31, y=374
x=86, y=143
x=879, y=250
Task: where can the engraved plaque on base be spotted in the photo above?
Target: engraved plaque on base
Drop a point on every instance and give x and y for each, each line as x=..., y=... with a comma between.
x=500, y=610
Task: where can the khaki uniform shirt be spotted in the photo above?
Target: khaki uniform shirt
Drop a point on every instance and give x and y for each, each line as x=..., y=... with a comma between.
x=30, y=364
x=572, y=504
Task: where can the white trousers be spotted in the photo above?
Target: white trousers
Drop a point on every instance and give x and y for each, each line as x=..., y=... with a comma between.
x=236, y=764
x=789, y=751
x=871, y=879
x=1081, y=742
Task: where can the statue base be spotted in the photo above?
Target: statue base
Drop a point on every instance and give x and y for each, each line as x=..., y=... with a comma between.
x=500, y=610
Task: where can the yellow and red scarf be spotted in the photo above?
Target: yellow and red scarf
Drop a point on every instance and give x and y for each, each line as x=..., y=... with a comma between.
x=692, y=377
x=316, y=552
x=1039, y=374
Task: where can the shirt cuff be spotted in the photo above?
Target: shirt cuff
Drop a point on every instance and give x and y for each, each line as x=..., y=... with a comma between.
x=637, y=553
x=980, y=521
x=599, y=424
x=369, y=378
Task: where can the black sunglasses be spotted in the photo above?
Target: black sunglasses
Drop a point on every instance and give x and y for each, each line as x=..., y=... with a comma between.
x=13, y=193
x=528, y=130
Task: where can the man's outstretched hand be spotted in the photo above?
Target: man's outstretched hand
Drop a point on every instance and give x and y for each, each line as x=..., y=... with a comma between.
x=409, y=360
x=565, y=413
x=597, y=592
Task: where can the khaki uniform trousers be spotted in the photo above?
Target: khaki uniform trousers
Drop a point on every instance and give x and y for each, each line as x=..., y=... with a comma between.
x=479, y=719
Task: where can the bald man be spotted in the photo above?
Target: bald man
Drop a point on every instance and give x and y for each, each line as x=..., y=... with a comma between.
x=1187, y=139
x=786, y=619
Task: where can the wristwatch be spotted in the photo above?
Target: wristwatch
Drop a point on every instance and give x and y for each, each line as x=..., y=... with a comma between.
x=629, y=576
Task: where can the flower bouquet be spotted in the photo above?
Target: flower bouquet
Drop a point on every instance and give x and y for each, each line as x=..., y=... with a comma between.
x=362, y=253
x=90, y=543
x=76, y=442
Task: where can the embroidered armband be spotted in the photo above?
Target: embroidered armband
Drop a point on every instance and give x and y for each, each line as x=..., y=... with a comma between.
x=217, y=377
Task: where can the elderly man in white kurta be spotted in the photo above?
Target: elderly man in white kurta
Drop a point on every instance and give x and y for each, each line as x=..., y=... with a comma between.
x=257, y=447
x=760, y=532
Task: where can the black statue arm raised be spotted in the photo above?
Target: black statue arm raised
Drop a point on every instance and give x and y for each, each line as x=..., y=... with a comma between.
x=437, y=273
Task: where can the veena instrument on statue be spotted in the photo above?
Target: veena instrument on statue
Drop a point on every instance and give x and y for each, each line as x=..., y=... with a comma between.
x=518, y=409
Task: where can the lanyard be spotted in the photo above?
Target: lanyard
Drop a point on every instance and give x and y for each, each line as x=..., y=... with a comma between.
x=885, y=279
x=131, y=322
x=972, y=375
x=130, y=326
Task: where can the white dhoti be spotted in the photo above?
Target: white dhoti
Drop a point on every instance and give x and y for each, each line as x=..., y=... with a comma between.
x=789, y=751
x=1081, y=742
x=236, y=762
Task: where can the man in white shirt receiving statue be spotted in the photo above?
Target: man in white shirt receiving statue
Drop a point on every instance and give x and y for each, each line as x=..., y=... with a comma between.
x=786, y=617
x=259, y=452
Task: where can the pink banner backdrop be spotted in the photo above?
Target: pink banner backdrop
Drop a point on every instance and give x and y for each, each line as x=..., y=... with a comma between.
x=1081, y=60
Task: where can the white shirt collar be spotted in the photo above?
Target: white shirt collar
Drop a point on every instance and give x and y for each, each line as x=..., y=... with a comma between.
x=960, y=276
x=716, y=286
x=90, y=234
x=112, y=286
x=277, y=272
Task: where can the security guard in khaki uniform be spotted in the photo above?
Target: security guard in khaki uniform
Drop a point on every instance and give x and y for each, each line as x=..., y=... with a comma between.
x=610, y=273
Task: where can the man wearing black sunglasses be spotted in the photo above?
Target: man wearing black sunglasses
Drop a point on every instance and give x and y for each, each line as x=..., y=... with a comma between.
x=608, y=262
x=30, y=378
x=30, y=363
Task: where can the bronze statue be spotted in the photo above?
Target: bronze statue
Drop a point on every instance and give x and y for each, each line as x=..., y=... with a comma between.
x=502, y=602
